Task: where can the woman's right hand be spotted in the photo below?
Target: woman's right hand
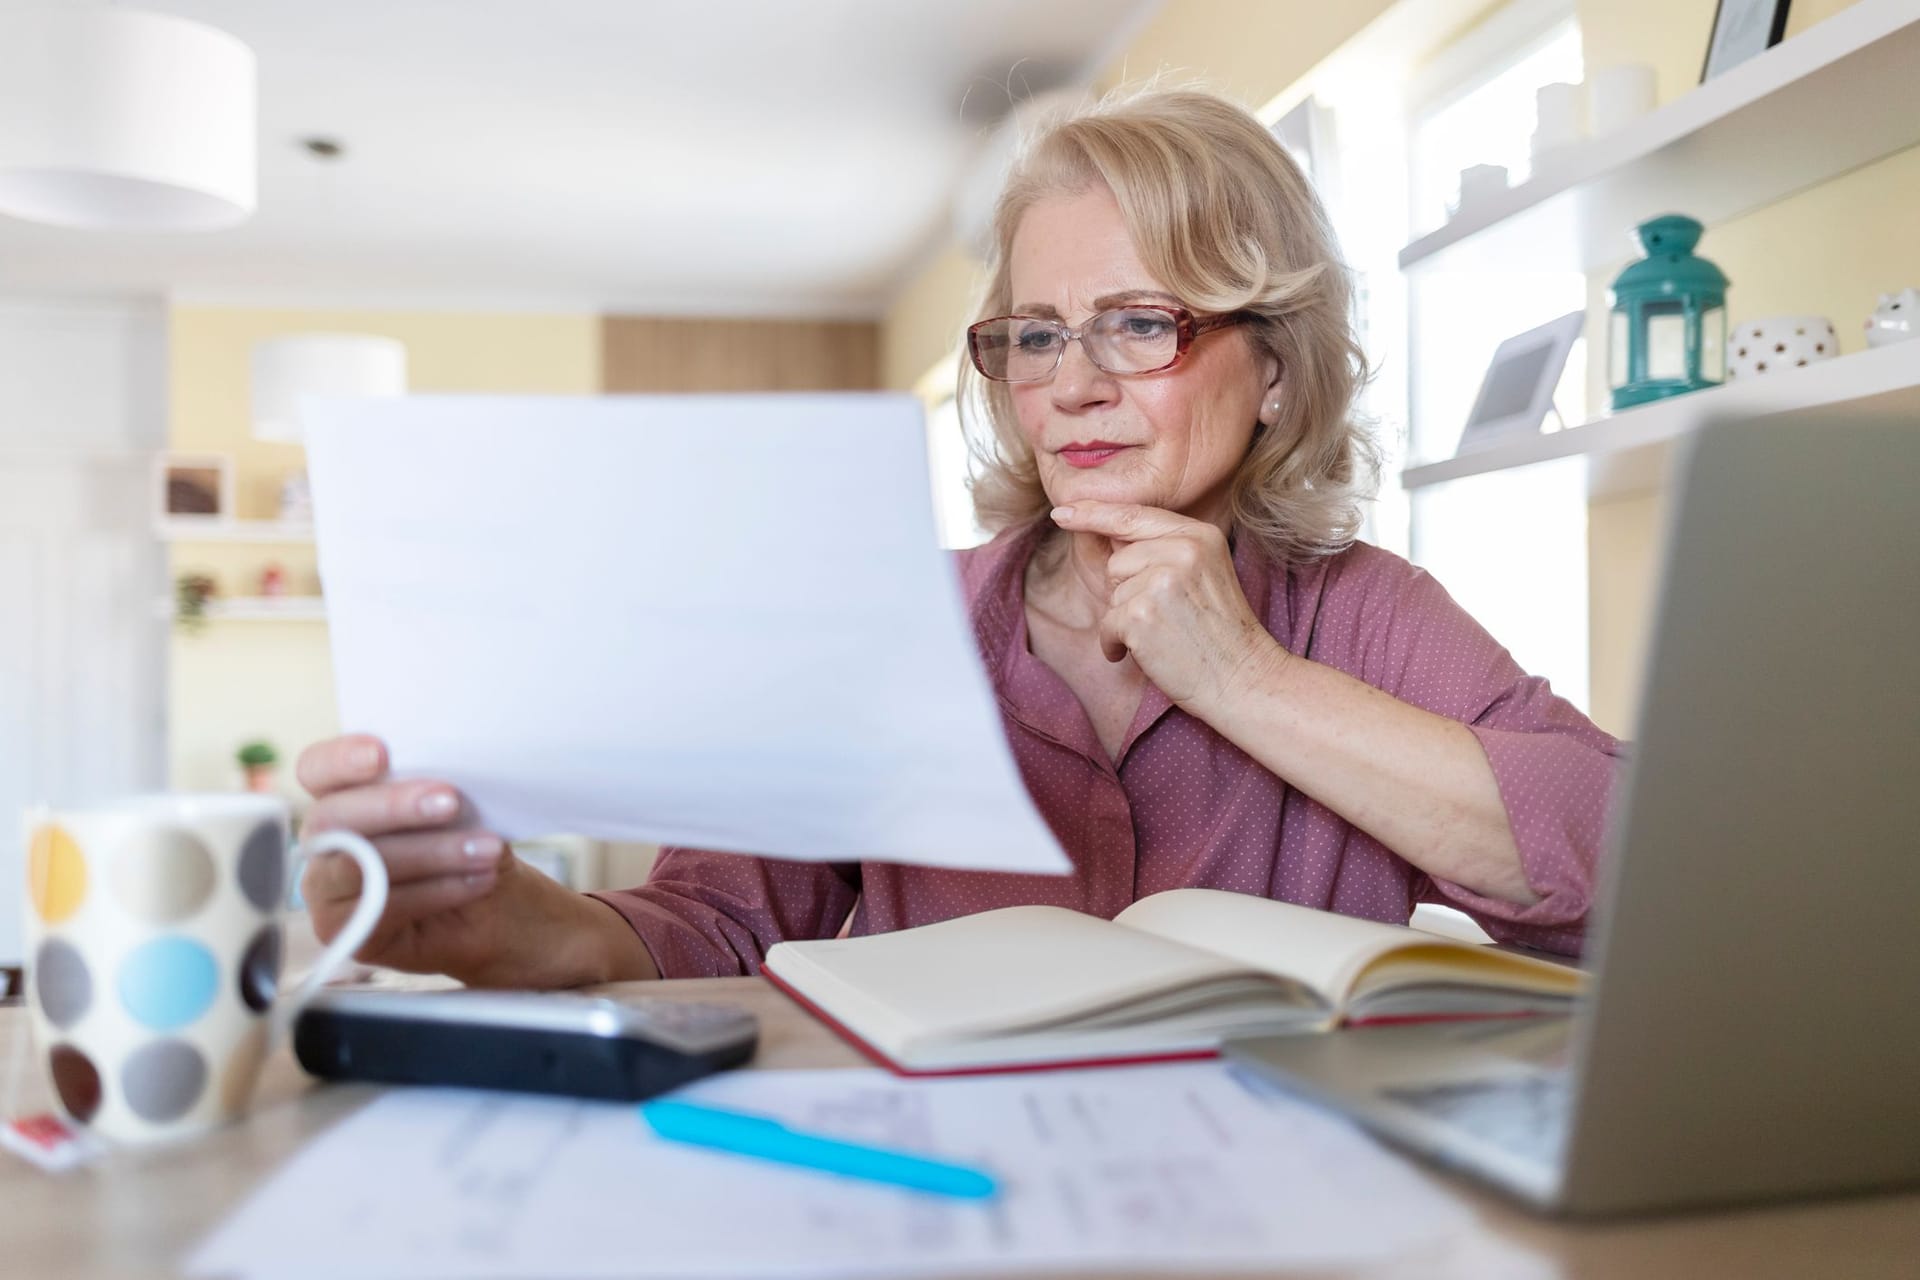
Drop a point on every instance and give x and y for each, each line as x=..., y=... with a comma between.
x=458, y=901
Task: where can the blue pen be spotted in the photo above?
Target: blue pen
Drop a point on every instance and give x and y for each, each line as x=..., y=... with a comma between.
x=770, y=1140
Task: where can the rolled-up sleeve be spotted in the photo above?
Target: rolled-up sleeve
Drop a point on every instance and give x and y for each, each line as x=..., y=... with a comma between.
x=1556, y=773
x=713, y=915
x=1555, y=768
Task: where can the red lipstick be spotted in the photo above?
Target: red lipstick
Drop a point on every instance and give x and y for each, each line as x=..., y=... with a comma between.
x=1090, y=453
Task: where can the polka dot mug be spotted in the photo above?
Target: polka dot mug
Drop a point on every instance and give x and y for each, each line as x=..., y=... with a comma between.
x=153, y=951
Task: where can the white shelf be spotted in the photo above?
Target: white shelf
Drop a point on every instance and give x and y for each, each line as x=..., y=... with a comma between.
x=191, y=530
x=1837, y=96
x=260, y=609
x=1631, y=451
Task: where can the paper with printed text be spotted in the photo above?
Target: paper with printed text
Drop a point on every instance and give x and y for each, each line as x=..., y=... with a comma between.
x=1179, y=1168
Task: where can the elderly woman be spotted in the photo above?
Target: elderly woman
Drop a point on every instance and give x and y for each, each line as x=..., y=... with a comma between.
x=1205, y=679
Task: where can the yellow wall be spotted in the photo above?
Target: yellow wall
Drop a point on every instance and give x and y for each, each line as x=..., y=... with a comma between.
x=923, y=325
x=1669, y=35
x=1826, y=251
x=1623, y=564
x=239, y=680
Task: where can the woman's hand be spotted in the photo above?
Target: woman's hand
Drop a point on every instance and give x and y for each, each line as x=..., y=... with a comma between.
x=459, y=902
x=1175, y=602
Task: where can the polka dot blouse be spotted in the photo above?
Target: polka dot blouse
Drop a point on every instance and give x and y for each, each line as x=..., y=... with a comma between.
x=1182, y=806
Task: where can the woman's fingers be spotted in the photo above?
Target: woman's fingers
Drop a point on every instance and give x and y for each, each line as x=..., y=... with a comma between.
x=1155, y=580
x=386, y=808
x=1139, y=604
x=350, y=761
x=332, y=886
x=330, y=878
x=422, y=898
x=424, y=855
x=406, y=905
x=1120, y=521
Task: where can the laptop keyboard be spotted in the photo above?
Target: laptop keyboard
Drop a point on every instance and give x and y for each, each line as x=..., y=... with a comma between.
x=1526, y=1115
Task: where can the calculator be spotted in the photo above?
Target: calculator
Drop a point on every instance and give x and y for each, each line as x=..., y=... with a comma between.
x=529, y=1042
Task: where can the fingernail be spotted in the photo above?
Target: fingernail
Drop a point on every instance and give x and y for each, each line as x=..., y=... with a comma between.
x=366, y=756
x=483, y=847
x=1062, y=513
x=438, y=804
x=477, y=878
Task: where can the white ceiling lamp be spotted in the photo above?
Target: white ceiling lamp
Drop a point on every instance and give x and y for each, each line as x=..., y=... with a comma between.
x=286, y=370
x=121, y=119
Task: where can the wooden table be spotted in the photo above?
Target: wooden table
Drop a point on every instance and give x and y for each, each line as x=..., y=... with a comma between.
x=138, y=1213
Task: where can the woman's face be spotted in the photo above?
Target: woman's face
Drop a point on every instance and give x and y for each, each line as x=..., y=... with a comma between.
x=1171, y=439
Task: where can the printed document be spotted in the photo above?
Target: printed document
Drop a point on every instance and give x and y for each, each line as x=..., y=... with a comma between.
x=716, y=621
x=1181, y=1168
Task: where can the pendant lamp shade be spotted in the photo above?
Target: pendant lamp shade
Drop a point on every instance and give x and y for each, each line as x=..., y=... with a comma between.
x=287, y=370
x=120, y=119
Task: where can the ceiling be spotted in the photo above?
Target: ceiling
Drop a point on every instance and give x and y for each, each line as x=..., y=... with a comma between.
x=713, y=156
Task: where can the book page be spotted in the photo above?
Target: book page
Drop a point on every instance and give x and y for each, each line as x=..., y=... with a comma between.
x=990, y=973
x=1325, y=950
x=1445, y=964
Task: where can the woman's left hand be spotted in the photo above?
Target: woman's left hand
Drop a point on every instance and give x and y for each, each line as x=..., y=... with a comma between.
x=1176, y=604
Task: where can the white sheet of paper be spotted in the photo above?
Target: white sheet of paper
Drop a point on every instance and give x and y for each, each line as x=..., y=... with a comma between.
x=1180, y=1167
x=717, y=621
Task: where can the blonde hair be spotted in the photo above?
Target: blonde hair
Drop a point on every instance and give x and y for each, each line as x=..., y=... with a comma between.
x=1226, y=220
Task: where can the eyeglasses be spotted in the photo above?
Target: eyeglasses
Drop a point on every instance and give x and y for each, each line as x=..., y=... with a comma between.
x=1143, y=339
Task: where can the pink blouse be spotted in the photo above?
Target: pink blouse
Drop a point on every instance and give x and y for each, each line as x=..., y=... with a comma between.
x=1182, y=806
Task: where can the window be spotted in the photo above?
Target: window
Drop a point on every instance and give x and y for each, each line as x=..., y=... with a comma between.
x=1459, y=317
x=1357, y=164
x=1483, y=112
x=1511, y=548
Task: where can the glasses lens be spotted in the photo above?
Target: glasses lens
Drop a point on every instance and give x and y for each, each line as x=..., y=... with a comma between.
x=1017, y=348
x=1133, y=339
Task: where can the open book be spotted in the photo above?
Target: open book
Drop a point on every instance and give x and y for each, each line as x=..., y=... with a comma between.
x=1171, y=976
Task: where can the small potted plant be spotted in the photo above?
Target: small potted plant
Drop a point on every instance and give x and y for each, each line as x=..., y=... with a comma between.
x=191, y=593
x=257, y=760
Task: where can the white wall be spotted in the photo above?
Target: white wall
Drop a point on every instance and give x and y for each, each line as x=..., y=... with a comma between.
x=82, y=650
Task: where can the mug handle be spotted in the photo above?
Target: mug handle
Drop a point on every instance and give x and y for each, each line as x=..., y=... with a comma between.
x=354, y=934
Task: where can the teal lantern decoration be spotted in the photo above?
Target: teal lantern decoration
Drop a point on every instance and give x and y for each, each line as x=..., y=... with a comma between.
x=1668, y=330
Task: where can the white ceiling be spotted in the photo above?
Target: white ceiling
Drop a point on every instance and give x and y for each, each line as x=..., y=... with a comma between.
x=748, y=156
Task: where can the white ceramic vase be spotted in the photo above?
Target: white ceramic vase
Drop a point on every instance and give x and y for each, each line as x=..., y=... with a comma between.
x=1773, y=343
x=1896, y=319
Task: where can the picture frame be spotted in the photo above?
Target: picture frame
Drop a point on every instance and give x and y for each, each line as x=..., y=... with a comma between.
x=1517, y=390
x=1741, y=29
x=193, y=488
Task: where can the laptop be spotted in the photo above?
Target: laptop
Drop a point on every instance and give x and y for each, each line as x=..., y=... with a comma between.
x=1753, y=1030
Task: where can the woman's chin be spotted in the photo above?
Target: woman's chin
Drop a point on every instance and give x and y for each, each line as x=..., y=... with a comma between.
x=1080, y=486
